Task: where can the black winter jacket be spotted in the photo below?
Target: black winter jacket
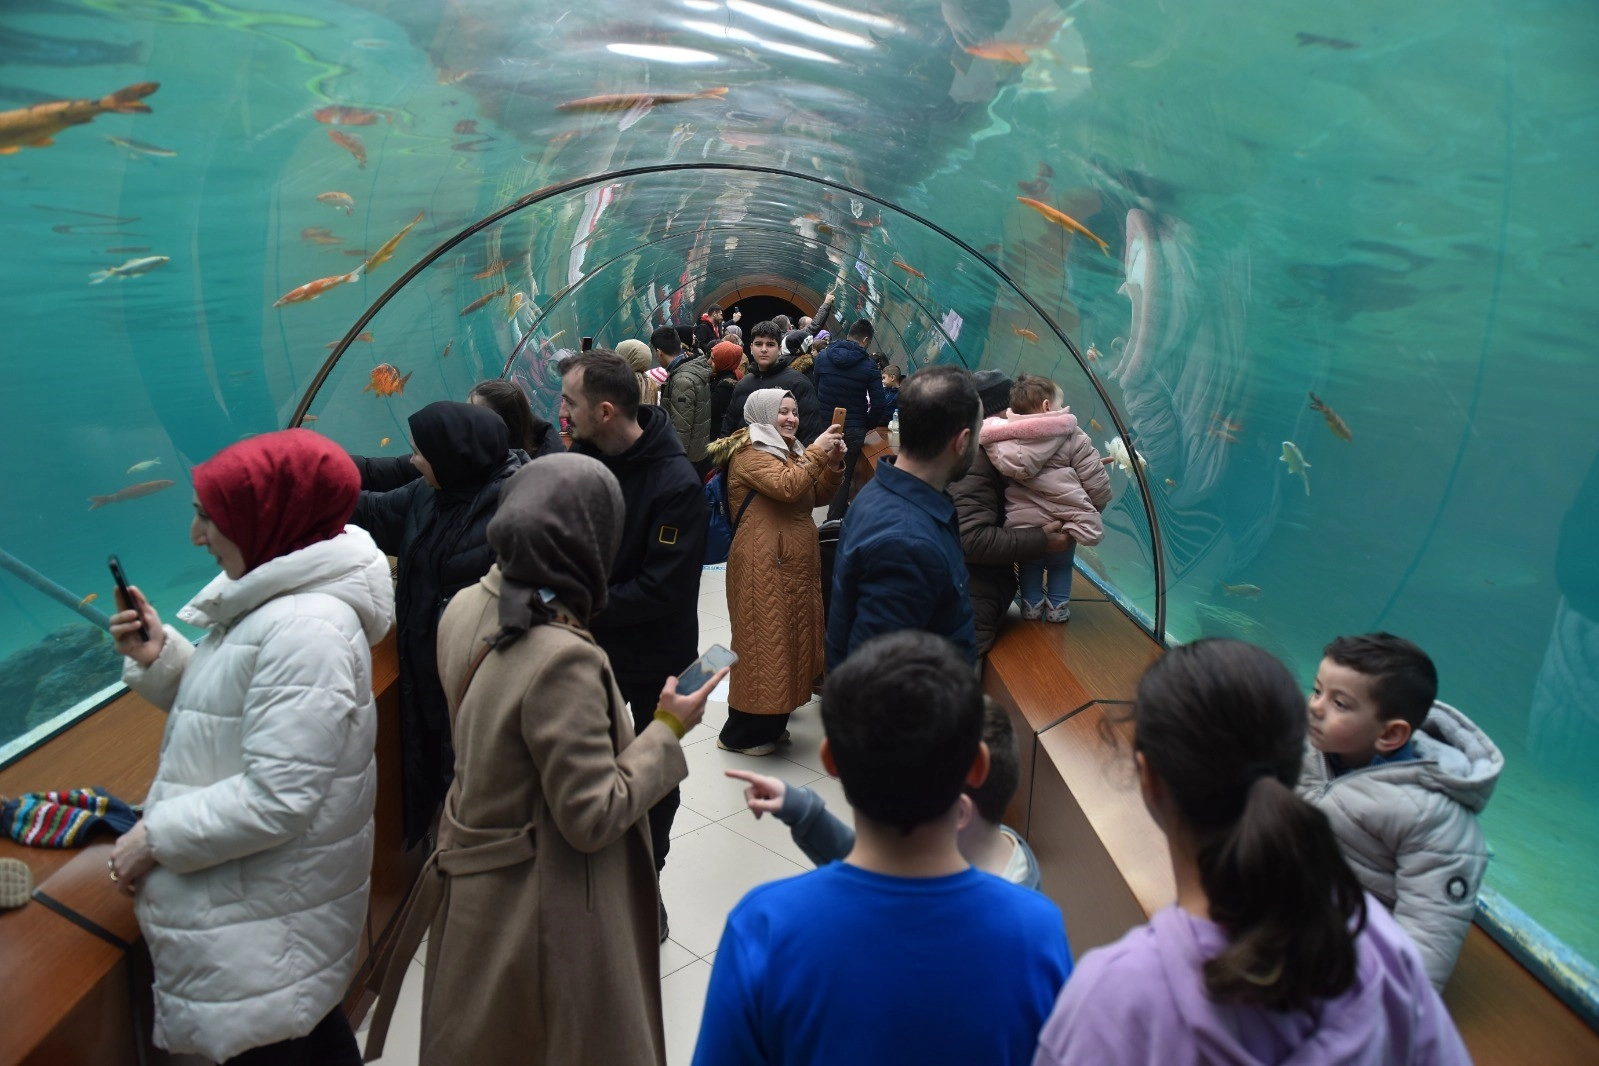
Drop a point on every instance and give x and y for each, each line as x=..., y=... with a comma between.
x=780, y=376
x=722, y=387
x=992, y=549
x=380, y=473
x=706, y=334
x=650, y=625
x=847, y=376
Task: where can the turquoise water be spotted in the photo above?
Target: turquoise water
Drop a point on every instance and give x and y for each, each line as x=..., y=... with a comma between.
x=1389, y=208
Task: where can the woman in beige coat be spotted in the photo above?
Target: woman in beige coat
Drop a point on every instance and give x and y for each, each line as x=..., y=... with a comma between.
x=542, y=897
x=774, y=569
x=641, y=359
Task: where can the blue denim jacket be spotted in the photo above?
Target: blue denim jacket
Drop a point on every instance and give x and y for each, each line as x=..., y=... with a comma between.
x=899, y=566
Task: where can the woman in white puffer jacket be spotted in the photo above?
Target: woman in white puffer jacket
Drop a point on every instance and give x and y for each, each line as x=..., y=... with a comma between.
x=251, y=864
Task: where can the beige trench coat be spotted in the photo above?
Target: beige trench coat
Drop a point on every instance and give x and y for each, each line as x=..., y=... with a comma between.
x=774, y=578
x=551, y=954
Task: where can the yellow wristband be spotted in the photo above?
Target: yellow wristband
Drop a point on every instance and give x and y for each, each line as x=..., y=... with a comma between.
x=671, y=721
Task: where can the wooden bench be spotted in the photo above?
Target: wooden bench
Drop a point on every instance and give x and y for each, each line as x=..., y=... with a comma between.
x=1069, y=690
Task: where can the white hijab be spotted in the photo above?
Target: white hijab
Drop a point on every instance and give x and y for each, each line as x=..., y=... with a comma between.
x=760, y=412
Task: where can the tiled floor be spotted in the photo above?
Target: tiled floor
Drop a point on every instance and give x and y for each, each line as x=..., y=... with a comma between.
x=719, y=852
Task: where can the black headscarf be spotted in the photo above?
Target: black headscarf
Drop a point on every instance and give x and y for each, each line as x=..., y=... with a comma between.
x=558, y=527
x=464, y=444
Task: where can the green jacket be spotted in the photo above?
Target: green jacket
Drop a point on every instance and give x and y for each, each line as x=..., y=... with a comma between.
x=686, y=396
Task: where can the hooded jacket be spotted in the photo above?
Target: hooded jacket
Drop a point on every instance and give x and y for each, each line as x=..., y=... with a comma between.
x=649, y=626
x=260, y=814
x=847, y=376
x=1142, y=1002
x=440, y=537
x=1409, y=829
x=780, y=376
x=1053, y=471
x=686, y=396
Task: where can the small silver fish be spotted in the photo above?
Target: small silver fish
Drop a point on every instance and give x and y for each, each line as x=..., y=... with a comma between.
x=1296, y=463
x=132, y=268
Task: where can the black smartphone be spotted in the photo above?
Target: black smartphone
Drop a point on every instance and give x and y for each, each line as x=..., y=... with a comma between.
x=127, y=594
x=588, y=342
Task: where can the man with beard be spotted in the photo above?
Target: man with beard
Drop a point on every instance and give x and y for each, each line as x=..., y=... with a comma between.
x=899, y=562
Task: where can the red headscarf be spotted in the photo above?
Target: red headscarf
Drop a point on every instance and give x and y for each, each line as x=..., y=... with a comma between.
x=278, y=492
x=726, y=355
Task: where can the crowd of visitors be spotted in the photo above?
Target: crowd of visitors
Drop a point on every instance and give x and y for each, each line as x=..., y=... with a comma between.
x=545, y=603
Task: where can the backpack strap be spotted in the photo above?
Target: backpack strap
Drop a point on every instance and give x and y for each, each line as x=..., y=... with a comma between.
x=749, y=498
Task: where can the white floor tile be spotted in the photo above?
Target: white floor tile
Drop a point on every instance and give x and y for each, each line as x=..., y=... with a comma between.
x=714, y=605
x=712, y=793
x=805, y=733
x=715, y=718
x=772, y=834
x=674, y=957
x=719, y=634
x=682, y=1003
x=404, y=1044
x=686, y=821
x=706, y=874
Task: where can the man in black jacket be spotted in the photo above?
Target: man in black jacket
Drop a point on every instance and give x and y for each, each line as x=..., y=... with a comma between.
x=708, y=330
x=846, y=376
x=771, y=370
x=437, y=526
x=649, y=626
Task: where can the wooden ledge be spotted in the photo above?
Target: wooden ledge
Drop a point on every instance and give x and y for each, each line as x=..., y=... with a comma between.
x=1105, y=863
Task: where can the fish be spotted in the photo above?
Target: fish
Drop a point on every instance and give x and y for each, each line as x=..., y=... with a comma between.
x=1335, y=43
x=1093, y=424
x=90, y=598
x=630, y=101
x=131, y=269
x=466, y=125
x=1225, y=423
x=132, y=492
x=346, y=116
x=912, y=271
x=142, y=147
x=137, y=468
x=1223, y=434
x=1248, y=592
x=309, y=418
x=351, y=143
x=312, y=289
x=36, y=126
x=1339, y=427
x=447, y=346
x=1296, y=463
x=384, y=443
x=386, y=381
x=483, y=301
x=1025, y=334
x=1118, y=453
x=1170, y=484
x=1017, y=52
x=386, y=252
x=367, y=336
x=1062, y=219
x=492, y=269
x=1091, y=353
x=319, y=235
x=340, y=200
x=516, y=305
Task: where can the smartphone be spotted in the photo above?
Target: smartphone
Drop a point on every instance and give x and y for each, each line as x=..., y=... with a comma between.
x=588, y=342
x=704, y=668
x=839, y=414
x=127, y=594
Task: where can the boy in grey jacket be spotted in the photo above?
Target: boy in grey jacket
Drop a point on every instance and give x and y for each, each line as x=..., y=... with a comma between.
x=1401, y=777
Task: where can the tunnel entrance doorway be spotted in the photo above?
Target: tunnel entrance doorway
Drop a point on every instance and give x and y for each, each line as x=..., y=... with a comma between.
x=753, y=309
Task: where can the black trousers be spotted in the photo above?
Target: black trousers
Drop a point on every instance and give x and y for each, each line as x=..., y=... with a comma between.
x=641, y=699
x=331, y=1043
x=745, y=730
x=854, y=440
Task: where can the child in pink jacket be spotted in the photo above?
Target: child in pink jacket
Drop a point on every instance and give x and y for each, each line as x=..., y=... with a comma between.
x=1056, y=478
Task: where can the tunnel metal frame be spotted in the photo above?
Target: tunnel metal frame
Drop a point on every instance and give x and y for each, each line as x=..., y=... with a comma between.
x=582, y=183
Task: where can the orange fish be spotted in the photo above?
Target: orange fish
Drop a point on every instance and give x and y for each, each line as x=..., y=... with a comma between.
x=516, y=305
x=319, y=235
x=1025, y=334
x=341, y=200
x=1006, y=51
x=37, y=125
x=1061, y=218
x=628, y=101
x=1093, y=424
x=90, y=598
x=1226, y=423
x=312, y=289
x=360, y=337
x=1225, y=435
x=1339, y=427
x=132, y=492
x=346, y=116
x=385, y=253
x=483, y=301
x=908, y=269
x=492, y=269
x=1091, y=353
x=384, y=443
x=351, y=143
x=386, y=381
x=447, y=346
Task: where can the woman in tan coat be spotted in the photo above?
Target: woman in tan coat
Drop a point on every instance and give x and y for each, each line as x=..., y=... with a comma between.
x=774, y=570
x=542, y=897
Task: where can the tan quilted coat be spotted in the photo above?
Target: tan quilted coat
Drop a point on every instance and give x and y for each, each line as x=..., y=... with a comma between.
x=774, y=578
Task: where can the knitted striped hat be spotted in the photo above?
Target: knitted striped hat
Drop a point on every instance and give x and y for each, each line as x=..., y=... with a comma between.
x=63, y=819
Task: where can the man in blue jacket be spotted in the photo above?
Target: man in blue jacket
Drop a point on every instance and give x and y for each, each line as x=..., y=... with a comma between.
x=899, y=563
x=847, y=376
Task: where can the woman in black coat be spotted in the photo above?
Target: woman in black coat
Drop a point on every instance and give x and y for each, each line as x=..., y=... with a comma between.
x=437, y=526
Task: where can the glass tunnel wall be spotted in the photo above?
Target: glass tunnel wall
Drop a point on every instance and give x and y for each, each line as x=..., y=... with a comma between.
x=1385, y=207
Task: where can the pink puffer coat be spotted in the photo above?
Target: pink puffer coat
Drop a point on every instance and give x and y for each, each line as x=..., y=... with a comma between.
x=1054, y=473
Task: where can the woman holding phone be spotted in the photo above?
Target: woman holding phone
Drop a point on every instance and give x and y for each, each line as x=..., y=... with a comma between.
x=541, y=898
x=250, y=866
x=774, y=569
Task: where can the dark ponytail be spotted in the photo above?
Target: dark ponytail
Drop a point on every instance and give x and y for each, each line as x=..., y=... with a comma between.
x=1222, y=724
x=506, y=399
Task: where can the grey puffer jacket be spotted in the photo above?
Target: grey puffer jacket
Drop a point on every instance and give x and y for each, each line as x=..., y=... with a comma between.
x=1409, y=829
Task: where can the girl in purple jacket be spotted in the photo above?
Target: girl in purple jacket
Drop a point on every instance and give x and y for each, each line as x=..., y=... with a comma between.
x=1271, y=953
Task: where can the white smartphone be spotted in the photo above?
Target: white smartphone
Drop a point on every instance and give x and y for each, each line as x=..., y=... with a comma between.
x=704, y=668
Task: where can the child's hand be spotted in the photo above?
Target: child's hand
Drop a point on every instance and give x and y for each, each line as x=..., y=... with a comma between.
x=1056, y=539
x=764, y=795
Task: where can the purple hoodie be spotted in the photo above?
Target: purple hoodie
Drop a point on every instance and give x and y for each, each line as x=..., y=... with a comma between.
x=1142, y=1001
